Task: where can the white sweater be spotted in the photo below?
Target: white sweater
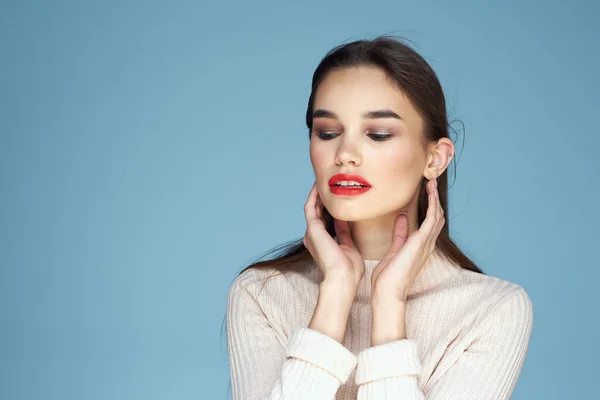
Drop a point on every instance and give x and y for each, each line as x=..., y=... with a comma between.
x=468, y=335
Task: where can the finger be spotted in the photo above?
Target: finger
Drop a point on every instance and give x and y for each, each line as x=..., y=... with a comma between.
x=342, y=231
x=314, y=185
x=429, y=225
x=306, y=242
x=310, y=206
x=321, y=243
x=430, y=216
x=316, y=238
x=441, y=215
x=439, y=220
x=319, y=208
x=400, y=234
x=440, y=212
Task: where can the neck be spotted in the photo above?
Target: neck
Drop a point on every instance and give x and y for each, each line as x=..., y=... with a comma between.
x=373, y=237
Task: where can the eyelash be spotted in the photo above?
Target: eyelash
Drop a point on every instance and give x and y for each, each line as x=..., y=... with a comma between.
x=375, y=137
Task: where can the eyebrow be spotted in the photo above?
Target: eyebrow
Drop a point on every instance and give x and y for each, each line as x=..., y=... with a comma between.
x=387, y=113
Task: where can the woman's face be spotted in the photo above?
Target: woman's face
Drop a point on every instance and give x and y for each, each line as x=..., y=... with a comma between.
x=342, y=142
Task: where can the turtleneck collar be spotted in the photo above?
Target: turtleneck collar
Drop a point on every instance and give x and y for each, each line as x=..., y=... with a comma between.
x=435, y=270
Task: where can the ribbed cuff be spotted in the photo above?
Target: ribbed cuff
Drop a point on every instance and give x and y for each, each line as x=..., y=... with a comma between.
x=323, y=351
x=396, y=358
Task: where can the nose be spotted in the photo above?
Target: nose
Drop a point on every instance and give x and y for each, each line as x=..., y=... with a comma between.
x=348, y=152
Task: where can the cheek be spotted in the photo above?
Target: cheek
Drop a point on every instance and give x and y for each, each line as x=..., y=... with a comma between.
x=396, y=165
x=317, y=157
x=399, y=174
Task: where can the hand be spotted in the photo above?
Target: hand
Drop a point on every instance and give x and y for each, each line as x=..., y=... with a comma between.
x=337, y=261
x=395, y=273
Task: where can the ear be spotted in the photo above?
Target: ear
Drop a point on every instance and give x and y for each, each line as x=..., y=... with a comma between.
x=439, y=156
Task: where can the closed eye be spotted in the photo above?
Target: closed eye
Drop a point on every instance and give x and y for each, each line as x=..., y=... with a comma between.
x=376, y=137
x=379, y=137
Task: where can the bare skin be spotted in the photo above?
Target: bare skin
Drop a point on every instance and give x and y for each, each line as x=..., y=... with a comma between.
x=371, y=225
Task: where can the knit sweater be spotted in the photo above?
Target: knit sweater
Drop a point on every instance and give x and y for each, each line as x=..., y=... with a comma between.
x=467, y=337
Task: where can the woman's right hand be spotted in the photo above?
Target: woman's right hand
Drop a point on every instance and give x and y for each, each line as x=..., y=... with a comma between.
x=338, y=262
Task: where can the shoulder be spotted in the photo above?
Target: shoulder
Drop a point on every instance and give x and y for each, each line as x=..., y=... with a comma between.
x=489, y=285
x=249, y=281
x=265, y=283
x=495, y=296
x=243, y=303
x=286, y=297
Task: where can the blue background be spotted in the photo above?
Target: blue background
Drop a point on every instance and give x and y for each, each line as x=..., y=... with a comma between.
x=149, y=150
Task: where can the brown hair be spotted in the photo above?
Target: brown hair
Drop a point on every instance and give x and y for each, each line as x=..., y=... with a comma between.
x=415, y=77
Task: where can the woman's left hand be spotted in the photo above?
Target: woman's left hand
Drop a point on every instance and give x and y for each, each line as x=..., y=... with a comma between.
x=395, y=273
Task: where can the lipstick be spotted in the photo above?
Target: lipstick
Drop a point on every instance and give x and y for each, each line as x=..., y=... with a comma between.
x=348, y=190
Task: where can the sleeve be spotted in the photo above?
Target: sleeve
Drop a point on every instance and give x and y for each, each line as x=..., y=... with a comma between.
x=311, y=366
x=389, y=371
x=488, y=369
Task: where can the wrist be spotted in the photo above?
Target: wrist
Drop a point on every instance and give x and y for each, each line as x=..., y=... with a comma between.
x=332, y=309
x=341, y=287
x=399, y=293
x=388, y=319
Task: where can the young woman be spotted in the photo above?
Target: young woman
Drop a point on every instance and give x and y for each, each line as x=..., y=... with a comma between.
x=376, y=301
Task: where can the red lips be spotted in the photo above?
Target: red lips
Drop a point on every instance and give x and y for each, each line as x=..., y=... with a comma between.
x=348, y=177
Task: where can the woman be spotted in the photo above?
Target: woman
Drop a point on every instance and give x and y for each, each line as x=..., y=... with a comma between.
x=376, y=302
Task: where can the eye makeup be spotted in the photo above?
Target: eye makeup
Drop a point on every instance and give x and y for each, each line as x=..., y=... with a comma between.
x=378, y=135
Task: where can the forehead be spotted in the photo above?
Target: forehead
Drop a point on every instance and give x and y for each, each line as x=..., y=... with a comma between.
x=355, y=90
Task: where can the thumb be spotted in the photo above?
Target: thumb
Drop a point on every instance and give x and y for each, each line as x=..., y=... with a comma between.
x=400, y=233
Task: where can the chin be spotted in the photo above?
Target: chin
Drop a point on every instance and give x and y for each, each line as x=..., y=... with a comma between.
x=358, y=212
x=345, y=213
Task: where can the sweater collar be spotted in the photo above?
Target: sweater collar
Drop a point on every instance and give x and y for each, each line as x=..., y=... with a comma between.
x=436, y=270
